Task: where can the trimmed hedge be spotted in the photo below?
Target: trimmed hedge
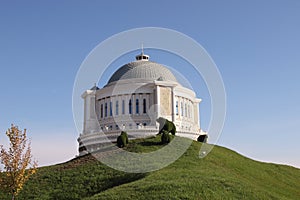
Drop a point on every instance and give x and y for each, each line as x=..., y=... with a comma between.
x=165, y=137
x=173, y=130
x=166, y=125
x=202, y=138
x=122, y=140
x=125, y=134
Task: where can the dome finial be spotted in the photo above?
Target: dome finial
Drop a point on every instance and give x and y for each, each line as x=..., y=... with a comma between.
x=142, y=56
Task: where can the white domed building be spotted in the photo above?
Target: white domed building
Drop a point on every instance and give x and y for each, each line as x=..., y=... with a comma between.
x=135, y=96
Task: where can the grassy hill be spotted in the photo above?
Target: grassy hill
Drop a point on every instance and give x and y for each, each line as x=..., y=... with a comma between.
x=223, y=174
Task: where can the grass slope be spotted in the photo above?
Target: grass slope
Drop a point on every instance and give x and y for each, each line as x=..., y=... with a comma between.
x=223, y=174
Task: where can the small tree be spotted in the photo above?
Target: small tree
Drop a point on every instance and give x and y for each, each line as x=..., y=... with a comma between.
x=15, y=161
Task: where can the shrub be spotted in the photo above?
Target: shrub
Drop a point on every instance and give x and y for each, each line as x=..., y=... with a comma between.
x=125, y=134
x=202, y=138
x=173, y=130
x=161, y=122
x=166, y=125
x=165, y=137
x=122, y=140
x=119, y=142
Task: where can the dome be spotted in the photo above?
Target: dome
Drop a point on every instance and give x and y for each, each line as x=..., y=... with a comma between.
x=143, y=69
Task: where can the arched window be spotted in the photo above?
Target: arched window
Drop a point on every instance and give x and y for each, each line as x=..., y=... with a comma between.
x=144, y=106
x=105, y=109
x=137, y=106
x=181, y=108
x=123, y=107
x=130, y=107
x=117, y=107
x=110, y=108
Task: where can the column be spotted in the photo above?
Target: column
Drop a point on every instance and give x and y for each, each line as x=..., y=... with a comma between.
x=85, y=114
x=157, y=107
x=173, y=105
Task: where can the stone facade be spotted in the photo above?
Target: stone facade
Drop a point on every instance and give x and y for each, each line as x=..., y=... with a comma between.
x=166, y=101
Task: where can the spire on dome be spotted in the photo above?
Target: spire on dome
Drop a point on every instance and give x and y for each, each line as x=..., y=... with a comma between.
x=142, y=56
x=95, y=87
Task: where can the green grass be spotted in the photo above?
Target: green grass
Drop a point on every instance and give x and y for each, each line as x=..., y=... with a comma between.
x=223, y=174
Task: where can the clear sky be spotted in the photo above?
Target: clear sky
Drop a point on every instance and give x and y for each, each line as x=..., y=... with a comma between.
x=255, y=45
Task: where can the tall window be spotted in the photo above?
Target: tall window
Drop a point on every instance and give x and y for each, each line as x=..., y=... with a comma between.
x=185, y=110
x=144, y=106
x=101, y=111
x=130, y=107
x=105, y=109
x=123, y=107
x=117, y=107
x=181, y=108
x=110, y=108
x=137, y=106
x=176, y=107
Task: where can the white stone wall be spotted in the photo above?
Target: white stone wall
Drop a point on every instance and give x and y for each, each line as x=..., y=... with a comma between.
x=163, y=93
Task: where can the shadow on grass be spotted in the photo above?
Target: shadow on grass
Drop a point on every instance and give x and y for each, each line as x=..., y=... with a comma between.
x=150, y=143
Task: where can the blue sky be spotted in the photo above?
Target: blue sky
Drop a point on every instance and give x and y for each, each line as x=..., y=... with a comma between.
x=255, y=45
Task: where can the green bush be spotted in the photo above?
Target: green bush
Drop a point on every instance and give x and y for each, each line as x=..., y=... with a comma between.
x=173, y=130
x=202, y=138
x=161, y=122
x=165, y=137
x=166, y=125
x=122, y=140
x=119, y=142
x=125, y=134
